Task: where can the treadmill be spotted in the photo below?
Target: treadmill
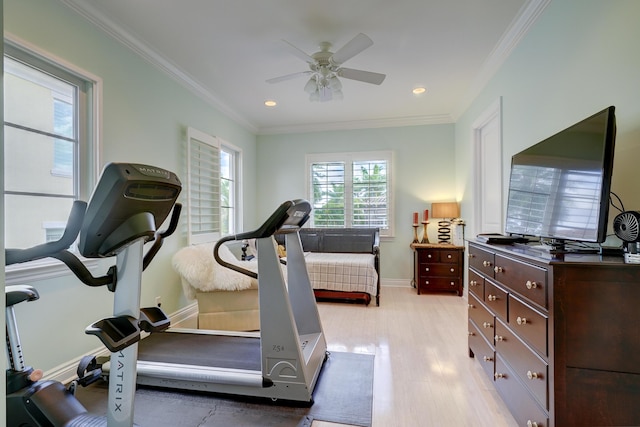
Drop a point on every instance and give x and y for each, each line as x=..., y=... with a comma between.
x=281, y=361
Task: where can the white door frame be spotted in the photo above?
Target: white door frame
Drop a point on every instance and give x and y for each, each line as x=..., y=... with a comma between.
x=492, y=116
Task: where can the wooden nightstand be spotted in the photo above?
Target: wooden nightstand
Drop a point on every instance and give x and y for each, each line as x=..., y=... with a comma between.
x=438, y=267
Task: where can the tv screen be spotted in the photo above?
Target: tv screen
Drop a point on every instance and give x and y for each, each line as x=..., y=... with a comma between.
x=559, y=188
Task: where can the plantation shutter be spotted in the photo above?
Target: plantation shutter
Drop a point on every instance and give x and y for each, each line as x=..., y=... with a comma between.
x=203, y=187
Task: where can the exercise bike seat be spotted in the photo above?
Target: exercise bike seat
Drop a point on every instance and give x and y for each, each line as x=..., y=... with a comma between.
x=16, y=294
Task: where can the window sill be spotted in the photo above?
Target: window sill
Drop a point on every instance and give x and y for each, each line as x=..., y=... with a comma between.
x=34, y=271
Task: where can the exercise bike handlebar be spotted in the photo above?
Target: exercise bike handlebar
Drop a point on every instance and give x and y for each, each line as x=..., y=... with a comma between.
x=160, y=235
x=44, y=250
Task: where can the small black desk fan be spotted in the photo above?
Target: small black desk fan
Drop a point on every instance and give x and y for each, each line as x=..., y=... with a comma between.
x=626, y=226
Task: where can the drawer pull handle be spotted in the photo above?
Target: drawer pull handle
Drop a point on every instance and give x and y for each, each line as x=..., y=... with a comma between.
x=533, y=375
x=532, y=423
x=487, y=325
x=498, y=269
x=471, y=333
x=471, y=306
x=452, y=270
x=531, y=285
x=498, y=375
x=492, y=297
x=486, y=263
x=453, y=283
x=449, y=256
x=521, y=320
x=487, y=359
x=471, y=256
x=426, y=269
x=473, y=283
x=426, y=282
x=499, y=338
x=429, y=256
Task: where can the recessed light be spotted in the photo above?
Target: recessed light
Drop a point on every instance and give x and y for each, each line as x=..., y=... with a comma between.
x=419, y=90
x=270, y=103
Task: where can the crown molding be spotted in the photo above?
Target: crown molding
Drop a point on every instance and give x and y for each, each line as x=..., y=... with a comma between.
x=358, y=124
x=520, y=26
x=128, y=39
x=517, y=30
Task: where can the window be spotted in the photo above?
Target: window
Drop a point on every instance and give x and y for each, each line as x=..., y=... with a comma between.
x=351, y=190
x=212, y=188
x=48, y=146
x=229, y=172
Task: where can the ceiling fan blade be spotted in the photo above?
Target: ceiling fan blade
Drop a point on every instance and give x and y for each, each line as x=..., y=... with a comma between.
x=289, y=76
x=299, y=53
x=362, y=76
x=351, y=49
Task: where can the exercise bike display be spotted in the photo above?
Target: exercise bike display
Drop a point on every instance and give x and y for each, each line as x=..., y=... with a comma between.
x=127, y=206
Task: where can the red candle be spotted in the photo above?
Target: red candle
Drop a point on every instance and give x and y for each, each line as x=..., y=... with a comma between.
x=426, y=215
x=415, y=218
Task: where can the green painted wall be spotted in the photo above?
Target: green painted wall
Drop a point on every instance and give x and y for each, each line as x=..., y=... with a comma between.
x=423, y=172
x=580, y=57
x=145, y=115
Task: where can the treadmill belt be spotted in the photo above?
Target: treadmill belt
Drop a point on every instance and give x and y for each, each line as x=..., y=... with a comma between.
x=202, y=350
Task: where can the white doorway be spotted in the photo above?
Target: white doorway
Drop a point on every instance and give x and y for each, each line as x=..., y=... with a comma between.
x=487, y=171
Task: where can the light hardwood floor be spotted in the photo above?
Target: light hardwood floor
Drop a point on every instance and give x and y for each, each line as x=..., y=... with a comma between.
x=423, y=373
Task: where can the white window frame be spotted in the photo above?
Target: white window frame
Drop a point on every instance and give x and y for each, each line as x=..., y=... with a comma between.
x=348, y=159
x=236, y=185
x=202, y=225
x=88, y=163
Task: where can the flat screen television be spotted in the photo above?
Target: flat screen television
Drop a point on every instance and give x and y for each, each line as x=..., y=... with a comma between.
x=559, y=188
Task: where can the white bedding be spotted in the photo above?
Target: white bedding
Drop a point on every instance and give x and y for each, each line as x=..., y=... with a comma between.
x=350, y=272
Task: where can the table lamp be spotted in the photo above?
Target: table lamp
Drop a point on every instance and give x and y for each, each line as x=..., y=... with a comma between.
x=447, y=211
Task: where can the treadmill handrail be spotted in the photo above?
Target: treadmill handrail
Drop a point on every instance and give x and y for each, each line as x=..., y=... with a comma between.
x=289, y=217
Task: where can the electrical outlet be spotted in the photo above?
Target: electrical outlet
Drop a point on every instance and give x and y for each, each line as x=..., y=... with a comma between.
x=158, y=301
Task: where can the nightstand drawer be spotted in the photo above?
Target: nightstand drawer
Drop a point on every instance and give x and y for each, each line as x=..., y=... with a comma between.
x=439, y=270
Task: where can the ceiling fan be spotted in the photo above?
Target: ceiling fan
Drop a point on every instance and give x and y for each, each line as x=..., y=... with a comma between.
x=325, y=67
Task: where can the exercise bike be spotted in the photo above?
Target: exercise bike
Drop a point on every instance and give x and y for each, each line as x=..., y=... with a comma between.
x=32, y=401
x=127, y=206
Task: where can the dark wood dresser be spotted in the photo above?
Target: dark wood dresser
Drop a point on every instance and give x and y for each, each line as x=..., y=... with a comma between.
x=438, y=267
x=558, y=337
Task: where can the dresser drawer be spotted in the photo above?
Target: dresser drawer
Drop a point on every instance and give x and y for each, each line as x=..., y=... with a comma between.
x=523, y=278
x=496, y=299
x=529, y=324
x=481, y=350
x=531, y=369
x=482, y=317
x=521, y=403
x=481, y=260
x=476, y=284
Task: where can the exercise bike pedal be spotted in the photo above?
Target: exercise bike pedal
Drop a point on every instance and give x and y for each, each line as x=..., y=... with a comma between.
x=153, y=319
x=88, y=372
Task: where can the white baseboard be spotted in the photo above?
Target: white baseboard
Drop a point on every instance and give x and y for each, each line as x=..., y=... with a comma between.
x=66, y=372
x=396, y=283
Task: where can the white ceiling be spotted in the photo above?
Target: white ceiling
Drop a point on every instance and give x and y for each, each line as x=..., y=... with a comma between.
x=224, y=50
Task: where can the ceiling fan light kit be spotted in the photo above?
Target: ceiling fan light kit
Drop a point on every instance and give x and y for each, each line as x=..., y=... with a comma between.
x=325, y=67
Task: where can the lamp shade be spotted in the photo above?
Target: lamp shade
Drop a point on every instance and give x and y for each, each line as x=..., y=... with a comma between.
x=445, y=210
